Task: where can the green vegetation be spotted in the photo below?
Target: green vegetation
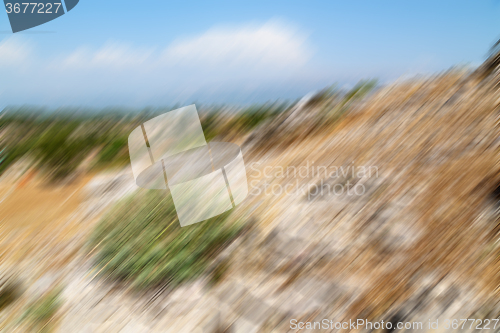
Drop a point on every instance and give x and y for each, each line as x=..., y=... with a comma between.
x=58, y=142
x=239, y=122
x=141, y=242
x=41, y=313
x=114, y=153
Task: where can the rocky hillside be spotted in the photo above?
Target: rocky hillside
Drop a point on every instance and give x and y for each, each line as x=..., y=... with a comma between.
x=372, y=204
x=418, y=240
x=379, y=208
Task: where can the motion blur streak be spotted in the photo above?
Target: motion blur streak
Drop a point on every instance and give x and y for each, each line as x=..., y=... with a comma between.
x=82, y=249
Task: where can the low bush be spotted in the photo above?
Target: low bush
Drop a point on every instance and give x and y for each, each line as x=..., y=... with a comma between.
x=141, y=242
x=41, y=313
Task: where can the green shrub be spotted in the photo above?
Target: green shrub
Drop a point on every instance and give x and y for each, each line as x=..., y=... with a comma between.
x=141, y=242
x=40, y=314
x=114, y=152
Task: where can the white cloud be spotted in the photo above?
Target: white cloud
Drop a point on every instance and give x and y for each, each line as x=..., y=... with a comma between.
x=111, y=55
x=222, y=61
x=15, y=51
x=271, y=45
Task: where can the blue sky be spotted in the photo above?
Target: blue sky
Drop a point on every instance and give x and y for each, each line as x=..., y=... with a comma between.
x=160, y=52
